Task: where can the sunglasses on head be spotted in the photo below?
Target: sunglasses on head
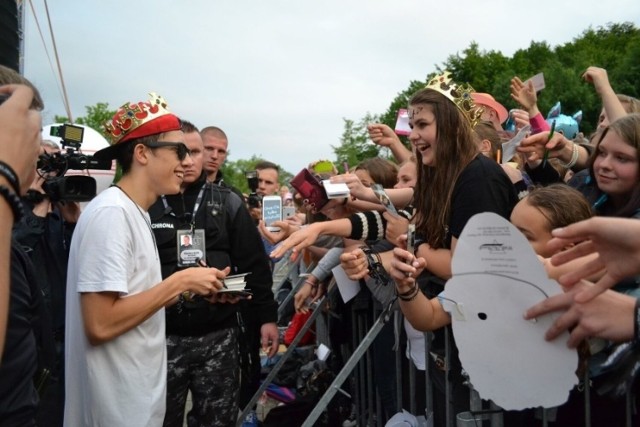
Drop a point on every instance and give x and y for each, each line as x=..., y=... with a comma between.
x=179, y=147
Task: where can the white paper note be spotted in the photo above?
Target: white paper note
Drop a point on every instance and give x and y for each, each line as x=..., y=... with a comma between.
x=496, y=277
x=348, y=288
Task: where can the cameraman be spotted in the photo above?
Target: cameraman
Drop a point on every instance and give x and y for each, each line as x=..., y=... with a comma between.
x=45, y=234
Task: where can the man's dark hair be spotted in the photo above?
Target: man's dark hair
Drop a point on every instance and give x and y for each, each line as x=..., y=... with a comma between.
x=264, y=164
x=9, y=76
x=188, y=127
x=125, y=153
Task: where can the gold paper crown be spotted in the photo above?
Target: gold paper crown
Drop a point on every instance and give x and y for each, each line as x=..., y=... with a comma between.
x=459, y=94
x=131, y=116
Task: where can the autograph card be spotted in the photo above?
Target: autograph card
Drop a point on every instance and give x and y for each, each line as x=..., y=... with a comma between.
x=509, y=147
x=538, y=82
x=384, y=199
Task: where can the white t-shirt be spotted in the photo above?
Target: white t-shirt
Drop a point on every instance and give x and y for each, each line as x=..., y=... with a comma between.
x=415, y=346
x=121, y=382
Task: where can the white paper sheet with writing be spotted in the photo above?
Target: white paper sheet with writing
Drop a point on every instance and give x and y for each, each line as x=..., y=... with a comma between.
x=348, y=288
x=509, y=147
x=496, y=277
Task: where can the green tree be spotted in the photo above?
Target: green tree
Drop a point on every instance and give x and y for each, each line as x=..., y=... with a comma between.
x=234, y=173
x=97, y=115
x=354, y=142
x=615, y=47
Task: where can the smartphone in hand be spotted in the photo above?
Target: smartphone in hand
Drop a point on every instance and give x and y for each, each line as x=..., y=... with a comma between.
x=271, y=211
x=288, y=211
x=411, y=240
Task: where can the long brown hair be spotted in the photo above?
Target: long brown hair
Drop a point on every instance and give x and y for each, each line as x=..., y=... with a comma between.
x=455, y=149
x=628, y=129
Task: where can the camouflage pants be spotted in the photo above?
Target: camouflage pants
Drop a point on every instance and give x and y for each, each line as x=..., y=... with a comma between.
x=208, y=367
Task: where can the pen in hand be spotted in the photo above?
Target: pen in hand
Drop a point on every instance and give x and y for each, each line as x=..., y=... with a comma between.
x=202, y=263
x=546, y=150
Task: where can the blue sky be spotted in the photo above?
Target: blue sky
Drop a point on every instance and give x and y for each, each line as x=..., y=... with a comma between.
x=279, y=76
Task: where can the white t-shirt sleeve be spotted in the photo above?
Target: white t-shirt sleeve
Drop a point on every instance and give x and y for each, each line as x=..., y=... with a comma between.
x=106, y=252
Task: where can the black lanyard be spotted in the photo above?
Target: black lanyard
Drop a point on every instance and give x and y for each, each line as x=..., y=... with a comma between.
x=195, y=206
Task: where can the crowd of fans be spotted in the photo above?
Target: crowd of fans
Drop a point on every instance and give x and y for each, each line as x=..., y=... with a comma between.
x=114, y=315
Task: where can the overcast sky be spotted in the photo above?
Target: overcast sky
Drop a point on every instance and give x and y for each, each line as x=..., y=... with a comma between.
x=278, y=76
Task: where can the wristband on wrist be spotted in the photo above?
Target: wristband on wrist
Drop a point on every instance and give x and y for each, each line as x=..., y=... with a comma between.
x=10, y=175
x=14, y=203
x=376, y=269
x=574, y=158
x=410, y=295
x=310, y=283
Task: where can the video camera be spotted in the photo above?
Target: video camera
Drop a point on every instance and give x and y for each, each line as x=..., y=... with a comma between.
x=53, y=167
x=254, y=200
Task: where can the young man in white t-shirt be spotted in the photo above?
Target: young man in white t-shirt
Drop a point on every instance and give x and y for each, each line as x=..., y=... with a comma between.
x=115, y=323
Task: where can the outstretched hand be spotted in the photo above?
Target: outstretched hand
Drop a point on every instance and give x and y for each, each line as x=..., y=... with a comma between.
x=382, y=135
x=525, y=95
x=286, y=228
x=610, y=315
x=297, y=241
x=599, y=78
x=617, y=242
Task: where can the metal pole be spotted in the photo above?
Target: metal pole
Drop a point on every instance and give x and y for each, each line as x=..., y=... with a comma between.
x=348, y=367
x=447, y=385
x=294, y=290
x=274, y=371
x=427, y=377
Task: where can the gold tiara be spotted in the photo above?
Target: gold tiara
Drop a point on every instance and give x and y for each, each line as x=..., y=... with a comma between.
x=459, y=94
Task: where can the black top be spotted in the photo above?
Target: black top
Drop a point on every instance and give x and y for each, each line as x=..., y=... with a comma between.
x=481, y=187
x=231, y=239
x=47, y=241
x=18, y=396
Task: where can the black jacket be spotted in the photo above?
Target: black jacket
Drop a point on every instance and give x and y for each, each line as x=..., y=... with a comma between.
x=47, y=241
x=231, y=240
x=18, y=397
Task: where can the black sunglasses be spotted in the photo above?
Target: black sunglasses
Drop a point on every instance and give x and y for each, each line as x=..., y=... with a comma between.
x=179, y=147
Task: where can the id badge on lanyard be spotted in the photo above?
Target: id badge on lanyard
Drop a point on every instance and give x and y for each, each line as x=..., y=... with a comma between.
x=190, y=245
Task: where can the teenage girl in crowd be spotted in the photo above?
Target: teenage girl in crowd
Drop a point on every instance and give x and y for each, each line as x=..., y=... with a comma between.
x=454, y=183
x=613, y=190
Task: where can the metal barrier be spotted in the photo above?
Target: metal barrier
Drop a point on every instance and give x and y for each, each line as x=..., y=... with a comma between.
x=364, y=393
x=290, y=349
x=360, y=351
x=294, y=289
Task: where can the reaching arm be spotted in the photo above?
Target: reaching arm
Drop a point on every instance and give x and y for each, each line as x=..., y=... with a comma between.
x=616, y=241
x=107, y=315
x=610, y=102
x=384, y=136
x=611, y=315
x=423, y=313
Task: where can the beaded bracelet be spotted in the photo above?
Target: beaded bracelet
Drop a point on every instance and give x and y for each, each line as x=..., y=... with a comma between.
x=7, y=172
x=574, y=158
x=14, y=203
